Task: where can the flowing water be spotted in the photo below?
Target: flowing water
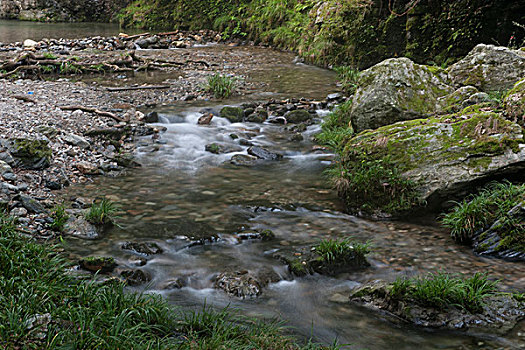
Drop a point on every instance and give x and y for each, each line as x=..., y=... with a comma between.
x=182, y=191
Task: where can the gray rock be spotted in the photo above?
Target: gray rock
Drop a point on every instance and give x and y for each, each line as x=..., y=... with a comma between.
x=19, y=212
x=135, y=277
x=29, y=153
x=489, y=68
x=152, y=117
x=263, y=153
x=241, y=285
x=144, y=248
x=243, y=160
x=76, y=140
x=298, y=116
x=394, y=90
x=9, y=177
x=233, y=114
x=454, y=101
x=32, y=205
x=514, y=102
x=477, y=98
x=77, y=226
x=5, y=168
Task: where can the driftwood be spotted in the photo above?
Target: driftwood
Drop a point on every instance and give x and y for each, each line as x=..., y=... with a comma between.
x=131, y=37
x=144, y=87
x=93, y=110
x=24, y=98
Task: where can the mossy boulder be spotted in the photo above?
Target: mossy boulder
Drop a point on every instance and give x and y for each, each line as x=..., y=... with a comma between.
x=514, y=102
x=30, y=153
x=443, y=157
x=489, y=68
x=394, y=90
x=233, y=114
x=455, y=101
x=98, y=264
x=298, y=116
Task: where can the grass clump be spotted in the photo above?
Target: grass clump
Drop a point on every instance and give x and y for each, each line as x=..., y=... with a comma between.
x=221, y=86
x=102, y=212
x=341, y=252
x=60, y=217
x=336, y=128
x=43, y=306
x=442, y=290
x=479, y=211
x=349, y=78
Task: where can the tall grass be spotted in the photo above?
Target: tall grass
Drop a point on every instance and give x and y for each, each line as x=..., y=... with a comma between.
x=221, y=86
x=334, y=251
x=101, y=212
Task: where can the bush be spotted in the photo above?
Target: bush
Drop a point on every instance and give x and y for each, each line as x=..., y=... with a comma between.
x=441, y=290
x=220, y=86
x=101, y=213
x=476, y=212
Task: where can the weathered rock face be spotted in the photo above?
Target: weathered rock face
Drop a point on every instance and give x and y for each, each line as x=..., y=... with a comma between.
x=514, y=102
x=394, y=90
x=489, y=68
x=445, y=156
x=61, y=10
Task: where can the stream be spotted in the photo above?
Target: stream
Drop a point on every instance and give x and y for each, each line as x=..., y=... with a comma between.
x=183, y=190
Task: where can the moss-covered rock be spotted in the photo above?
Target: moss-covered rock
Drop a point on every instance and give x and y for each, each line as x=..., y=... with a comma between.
x=489, y=68
x=30, y=153
x=394, y=90
x=298, y=116
x=455, y=101
x=441, y=157
x=98, y=264
x=233, y=114
x=514, y=102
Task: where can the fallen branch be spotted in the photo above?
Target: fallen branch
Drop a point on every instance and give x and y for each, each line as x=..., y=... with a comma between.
x=131, y=37
x=18, y=69
x=24, y=98
x=144, y=87
x=92, y=110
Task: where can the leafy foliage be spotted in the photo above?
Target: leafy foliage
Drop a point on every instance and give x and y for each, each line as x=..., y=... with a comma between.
x=336, y=128
x=60, y=217
x=349, y=78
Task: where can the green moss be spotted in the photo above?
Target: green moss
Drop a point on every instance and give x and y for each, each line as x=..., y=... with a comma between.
x=32, y=148
x=298, y=267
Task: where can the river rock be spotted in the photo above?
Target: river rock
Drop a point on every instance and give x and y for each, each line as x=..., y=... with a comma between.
x=78, y=226
x=446, y=156
x=489, y=68
x=98, y=264
x=256, y=118
x=239, y=284
x=205, y=119
x=32, y=205
x=29, y=153
x=76, y=140
x=243, y=160
x=514, y=102
x=87, y=168
x=28, y=43
x=144, y=248
x=233, y=114
x=135, y=277
x=5, y=168
x=298, y=116
x=500, y=313
x=263, y=153
x=394, y=90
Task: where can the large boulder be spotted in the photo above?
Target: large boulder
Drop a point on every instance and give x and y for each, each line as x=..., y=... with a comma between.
x=233, y=114
x=29, y=153
x=489, y=68
x=443, y=157
x=394, y=90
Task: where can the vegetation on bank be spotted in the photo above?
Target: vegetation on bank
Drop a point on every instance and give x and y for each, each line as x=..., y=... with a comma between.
x=477, y=212
x=102, y=212
x=43, y=306
x=221, y=86
x=357, y=32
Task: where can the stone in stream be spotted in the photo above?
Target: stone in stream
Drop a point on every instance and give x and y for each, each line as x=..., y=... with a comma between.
x=244, y=284
x=243, y=160
x=233, y=114
x=144, y=248
x=217, y=148
x=263, y=153
x=26, y=153
x=265, y=235
x=298, y=116
x=256, y=118
x=135, y=277
x=205, y=119
x=98, y=264
x=77, y=226
x=499, y=313
x=151, y=117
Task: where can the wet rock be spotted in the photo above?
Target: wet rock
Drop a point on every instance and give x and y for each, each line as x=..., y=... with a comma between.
x=489, y=68
x=263, y=153
x=217, y=148
x=177, y=283
x=239, y=284
x=233, y=114
x=298, y=116
x=265, y=235
x=277, y=120
x=78, y=226
x=394, y=90
x=244, y=142
x=98, y=264
x=334, y=97
x=297, y=137
x=243, y=160
x=151, y=117
x=145, y=43
x=205, y=119
x=32, y=205
x=144, y=248
x=135, y=277
x=256, y=118
x=499, y=314
x=126, y=160
x=76, y=140
x=29, y=153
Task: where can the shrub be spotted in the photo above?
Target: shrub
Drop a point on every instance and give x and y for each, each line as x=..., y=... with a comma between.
x=101, y=213
x=220, y=86
x=342, y=251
